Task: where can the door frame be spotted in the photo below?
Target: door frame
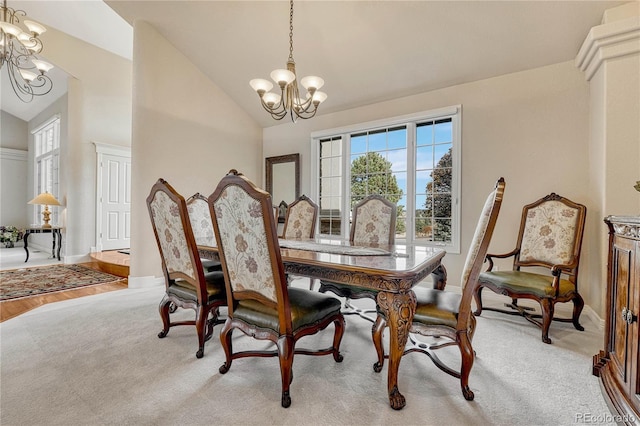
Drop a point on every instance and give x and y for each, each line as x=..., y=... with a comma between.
x=101, y=150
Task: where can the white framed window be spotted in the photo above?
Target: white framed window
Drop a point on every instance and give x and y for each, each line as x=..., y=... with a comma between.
x=413, y=161
x=46, y=164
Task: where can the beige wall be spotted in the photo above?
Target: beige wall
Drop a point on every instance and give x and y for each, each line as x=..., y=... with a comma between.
x=530, y=127
x=13, y=132
x=98, y=108
x=13, y=171
x=104, y=87
x=185, y=130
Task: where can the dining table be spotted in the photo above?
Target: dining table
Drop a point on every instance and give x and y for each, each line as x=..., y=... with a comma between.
x=392, y=270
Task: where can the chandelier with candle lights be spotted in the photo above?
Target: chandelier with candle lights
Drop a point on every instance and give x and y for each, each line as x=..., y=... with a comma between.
x=289, y=102
x=18, y=54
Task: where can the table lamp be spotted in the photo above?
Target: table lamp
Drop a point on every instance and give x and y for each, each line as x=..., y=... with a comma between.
x=46, y=200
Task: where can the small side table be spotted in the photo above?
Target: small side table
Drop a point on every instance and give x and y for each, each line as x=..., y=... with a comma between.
x=55, y=233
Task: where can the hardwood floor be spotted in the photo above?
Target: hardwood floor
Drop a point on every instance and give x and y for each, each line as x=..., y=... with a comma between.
x=12, y=308
x=112, y=262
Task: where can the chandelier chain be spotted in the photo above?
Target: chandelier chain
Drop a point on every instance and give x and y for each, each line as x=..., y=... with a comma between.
x=291, y=33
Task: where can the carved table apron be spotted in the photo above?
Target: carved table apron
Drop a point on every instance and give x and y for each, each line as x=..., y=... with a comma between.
x=394, y=275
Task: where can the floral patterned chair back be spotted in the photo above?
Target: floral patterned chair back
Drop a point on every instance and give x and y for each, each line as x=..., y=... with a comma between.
x=552, y=232
x=200, y=216
x=300, y=221
x=248, y=242
x=170, y=220
x=550, y=237
x=374, y=222
x=188, y=284
x=478, y=248
x=260, y=304
x=202, y=225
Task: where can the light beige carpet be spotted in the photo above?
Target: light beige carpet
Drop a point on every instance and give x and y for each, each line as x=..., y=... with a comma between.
x=97, y=360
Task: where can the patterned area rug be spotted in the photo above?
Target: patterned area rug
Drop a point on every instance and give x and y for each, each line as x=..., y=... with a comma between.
x=33, y=281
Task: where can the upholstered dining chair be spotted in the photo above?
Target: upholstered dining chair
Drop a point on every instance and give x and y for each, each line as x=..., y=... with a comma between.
x=200, y=217
x=188, y=285
x=282, y=211
x=550, y=237
x=374, y=224
x=260, y=304
x=446, y=315
x=300, y=221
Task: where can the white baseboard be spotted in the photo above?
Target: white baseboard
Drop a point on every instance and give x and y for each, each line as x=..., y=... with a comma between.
x=145, y=282
x=593, y=316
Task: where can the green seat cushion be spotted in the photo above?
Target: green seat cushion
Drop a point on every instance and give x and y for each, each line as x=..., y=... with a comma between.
x=436, y=307
x=215, y=287
x=307, y=307
x=526, y=282
x=211, y=265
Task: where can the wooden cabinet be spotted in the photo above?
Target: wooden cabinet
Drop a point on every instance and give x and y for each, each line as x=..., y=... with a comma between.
x=618, y=364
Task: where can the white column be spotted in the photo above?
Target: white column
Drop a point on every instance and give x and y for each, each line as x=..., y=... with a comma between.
x=610, y=60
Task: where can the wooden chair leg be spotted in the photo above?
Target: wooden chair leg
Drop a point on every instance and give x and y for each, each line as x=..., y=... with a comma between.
x=578, y=304
x=376, y=334
x=201, y=328
x=285, y=355
x=164, y=307
x=547, y=308
x=337, y=338
x=225, y=341
x=477, y=296
x=439, y=277
x=467, y=357
x=211, y=323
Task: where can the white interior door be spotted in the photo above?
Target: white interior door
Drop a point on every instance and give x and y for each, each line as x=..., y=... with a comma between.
x=114, y=201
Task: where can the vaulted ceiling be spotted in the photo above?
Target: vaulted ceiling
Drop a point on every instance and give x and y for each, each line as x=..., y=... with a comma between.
x=366, y=51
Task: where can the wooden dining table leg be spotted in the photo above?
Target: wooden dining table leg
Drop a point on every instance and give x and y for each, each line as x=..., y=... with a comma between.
x=399, y=309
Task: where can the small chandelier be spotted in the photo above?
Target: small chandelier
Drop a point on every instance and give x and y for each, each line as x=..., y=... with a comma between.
x=18, y=49
x=289, y=101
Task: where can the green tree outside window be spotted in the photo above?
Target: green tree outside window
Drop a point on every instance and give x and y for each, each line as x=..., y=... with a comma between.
x=438, y=205
x=371, y=174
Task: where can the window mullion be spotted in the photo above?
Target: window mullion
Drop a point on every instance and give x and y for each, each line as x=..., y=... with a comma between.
x=46, y=162
x=345, y=227
x=411, y=183
x=315, y=171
